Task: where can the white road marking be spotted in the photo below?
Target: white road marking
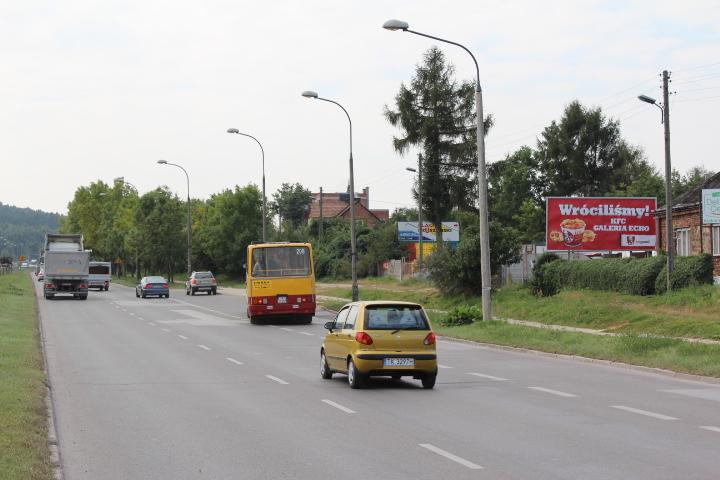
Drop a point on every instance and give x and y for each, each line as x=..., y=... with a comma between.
x=450, y=456
x=183, y=337
x=338, y=406
x=124, y=310
x=276, y=379
x=211, y=310
x=232, y=360
x=140, y=318
x=305, y=333
x=152, y=324
x=287, y=329
x=204, y=347
x=193, y=317
x=132, y=314
x=443, y=366
x=712, y=429
x=554, y=392
x=165, y=330
x=659, y=416
x=489, y=377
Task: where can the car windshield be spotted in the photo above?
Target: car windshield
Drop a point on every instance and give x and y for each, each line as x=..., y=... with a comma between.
x=100, y=269
x=203, y=275
x=395, y=317
x=281, y=262
x=155, y=280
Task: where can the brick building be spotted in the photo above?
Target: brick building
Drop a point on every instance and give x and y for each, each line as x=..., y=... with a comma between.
x=336, y=205
x=691, y=237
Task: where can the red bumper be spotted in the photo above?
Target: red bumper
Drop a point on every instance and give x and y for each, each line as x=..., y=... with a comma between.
x=284, y=309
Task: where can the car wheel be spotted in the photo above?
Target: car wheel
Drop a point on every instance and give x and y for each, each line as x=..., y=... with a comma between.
x=428, y=381
x=107, y=288
x=396, y=377
x=49, y=297
x=142, y=295
x=137, y=295
x=192, y=292
x=209, y=292
x=214, y=291
x=167, y=295
x=83, y=297
x=325, y=371
x=307, y=319
x=187, y=292
x=355, y=378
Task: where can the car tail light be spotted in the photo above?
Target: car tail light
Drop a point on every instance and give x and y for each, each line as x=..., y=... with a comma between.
x=430, y=339
x=82, y=285
x=49, y=285
x=193, y=281
x=364, y=338
x=165, y=285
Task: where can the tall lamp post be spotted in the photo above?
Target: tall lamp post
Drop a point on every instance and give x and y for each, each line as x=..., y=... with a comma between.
x=189, y=221
x=665, y=119
x=394, y=25
x=353, y=246
x=264, y=201
x=420, y=225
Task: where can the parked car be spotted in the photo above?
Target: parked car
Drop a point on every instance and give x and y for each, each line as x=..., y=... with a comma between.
x=380, y=338
x=201, y=282
x=153, y=286
x=41, y=275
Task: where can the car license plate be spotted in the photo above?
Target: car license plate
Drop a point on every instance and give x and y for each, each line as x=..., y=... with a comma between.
x=282, y=299
x=399, y=362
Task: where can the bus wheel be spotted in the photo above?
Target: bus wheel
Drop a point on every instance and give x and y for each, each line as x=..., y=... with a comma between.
x=255, y=320
x=306, y=319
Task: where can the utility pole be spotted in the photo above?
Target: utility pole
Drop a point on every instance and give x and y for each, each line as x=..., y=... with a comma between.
x=668, y=184
x=322, y=220
x=420, y=220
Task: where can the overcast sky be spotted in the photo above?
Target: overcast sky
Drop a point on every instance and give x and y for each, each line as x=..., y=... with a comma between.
x=101, y=89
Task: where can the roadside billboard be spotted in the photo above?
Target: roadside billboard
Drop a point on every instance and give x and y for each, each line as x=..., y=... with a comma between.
x=408, y=232
x=711, y=205
x=600, y=223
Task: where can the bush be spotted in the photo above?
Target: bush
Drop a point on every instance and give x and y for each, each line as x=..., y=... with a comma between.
x=627, y=275
x=687, y=271
x=462, y=315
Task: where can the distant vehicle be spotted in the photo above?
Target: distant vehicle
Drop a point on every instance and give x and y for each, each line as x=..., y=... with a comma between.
x=100, y=275
x=380, y=338
x=201, y=282
x=156, y=286
x=66, y=266
x=24, y=265
x=41, y=275
x=280, y=282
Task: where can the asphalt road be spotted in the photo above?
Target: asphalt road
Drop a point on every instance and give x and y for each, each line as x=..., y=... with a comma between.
x=186, y=388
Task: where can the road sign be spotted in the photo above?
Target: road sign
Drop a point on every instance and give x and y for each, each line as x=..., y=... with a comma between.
x=22, y=258
x=118, y=261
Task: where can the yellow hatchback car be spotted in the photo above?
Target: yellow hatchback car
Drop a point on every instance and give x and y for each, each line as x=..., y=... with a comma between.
x=380, y=338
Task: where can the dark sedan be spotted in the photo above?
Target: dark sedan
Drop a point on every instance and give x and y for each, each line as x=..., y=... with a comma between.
x=153, y=286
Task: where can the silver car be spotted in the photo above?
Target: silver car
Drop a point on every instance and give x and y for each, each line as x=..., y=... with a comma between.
x=201, y=282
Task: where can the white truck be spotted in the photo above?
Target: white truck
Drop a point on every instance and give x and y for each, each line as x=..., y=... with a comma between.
x=100, y=275
x=66, y=266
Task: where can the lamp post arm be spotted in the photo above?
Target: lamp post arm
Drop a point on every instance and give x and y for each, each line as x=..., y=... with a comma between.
x=477, y=68
x=346, y=114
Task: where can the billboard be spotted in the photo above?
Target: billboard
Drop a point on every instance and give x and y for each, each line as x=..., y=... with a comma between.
x=600, y=223
x=711, y=205
x=408, y=232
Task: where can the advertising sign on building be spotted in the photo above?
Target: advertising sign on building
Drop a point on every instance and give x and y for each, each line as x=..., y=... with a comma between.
x=711, y=205
x=600, y=223
x=408, y=232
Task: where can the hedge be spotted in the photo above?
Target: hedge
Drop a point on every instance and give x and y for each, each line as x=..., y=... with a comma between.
x=687, y=271
x=627, y=275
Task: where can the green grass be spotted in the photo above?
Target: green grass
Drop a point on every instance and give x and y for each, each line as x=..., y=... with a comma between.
x=24, y=450
x=671, y=354
x=691, y=312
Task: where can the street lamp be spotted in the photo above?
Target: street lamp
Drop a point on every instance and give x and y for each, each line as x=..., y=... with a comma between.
x=189, y=223
x=420, y=230
x=394, y=25
x=665, y=119
x=353, y=246
x=264, y=201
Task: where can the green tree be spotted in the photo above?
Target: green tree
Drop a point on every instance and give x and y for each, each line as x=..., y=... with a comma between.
x=232, y=220
x=292, y=204
x=161, y=223
x=435, y=113
x=584, y=155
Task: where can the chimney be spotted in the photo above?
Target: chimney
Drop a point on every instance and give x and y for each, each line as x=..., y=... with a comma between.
x=366, y=194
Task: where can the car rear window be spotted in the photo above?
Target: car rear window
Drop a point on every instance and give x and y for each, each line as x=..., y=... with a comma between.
x=395, y=317
x=203, y=275
x=156, y=280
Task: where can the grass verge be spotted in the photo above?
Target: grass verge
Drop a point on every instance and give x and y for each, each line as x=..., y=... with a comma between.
x=24, y=450
x=670, y=354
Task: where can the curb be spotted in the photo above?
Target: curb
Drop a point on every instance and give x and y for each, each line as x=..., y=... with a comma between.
x=578, y=358
x=53, y=445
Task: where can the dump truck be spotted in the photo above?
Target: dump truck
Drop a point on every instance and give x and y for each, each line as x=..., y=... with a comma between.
x=66, y=266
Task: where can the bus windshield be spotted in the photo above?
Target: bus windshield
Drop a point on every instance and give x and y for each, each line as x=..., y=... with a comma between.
x=280, y=262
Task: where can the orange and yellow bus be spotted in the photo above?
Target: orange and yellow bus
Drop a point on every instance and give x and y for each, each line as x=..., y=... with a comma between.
x=280, y=281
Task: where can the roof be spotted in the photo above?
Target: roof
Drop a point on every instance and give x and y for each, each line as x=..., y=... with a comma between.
x=691, y=198
x=371, y=303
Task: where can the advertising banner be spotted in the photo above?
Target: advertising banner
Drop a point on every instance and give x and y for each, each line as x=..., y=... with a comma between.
x=711, y=205
x=408, y=232
x=600, y=223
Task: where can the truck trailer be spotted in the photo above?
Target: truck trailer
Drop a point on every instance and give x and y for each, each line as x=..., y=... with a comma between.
x=66, y=266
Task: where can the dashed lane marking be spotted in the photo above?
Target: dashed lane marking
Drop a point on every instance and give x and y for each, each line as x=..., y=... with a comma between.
x=204, y=347
x=276, y=379
x=338, y=406
x=183, y=337
x=232, y=360
x=489, y=377
x=659, y=416
x=553, y=392
x=450, y=456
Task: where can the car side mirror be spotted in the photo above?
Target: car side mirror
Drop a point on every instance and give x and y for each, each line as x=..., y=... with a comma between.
x=329, y=326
